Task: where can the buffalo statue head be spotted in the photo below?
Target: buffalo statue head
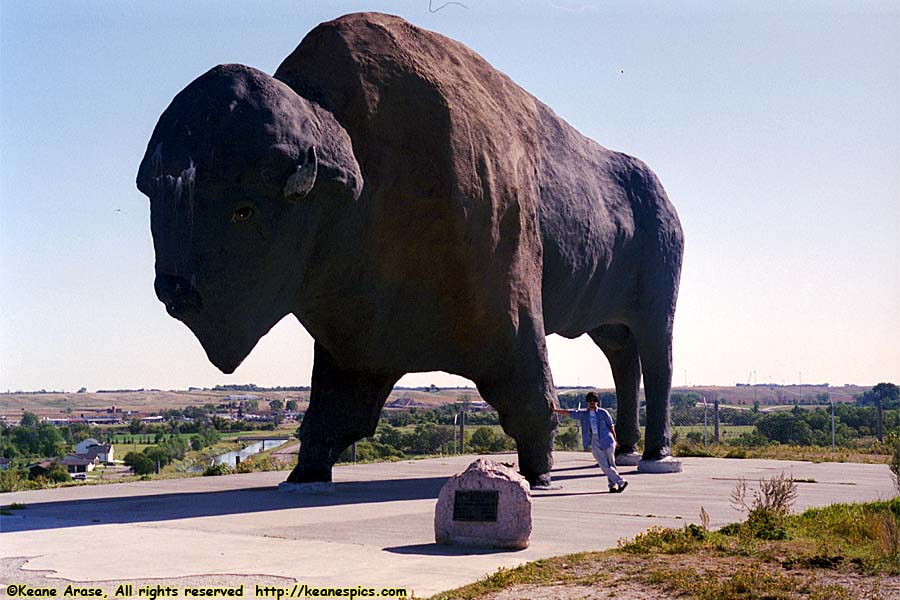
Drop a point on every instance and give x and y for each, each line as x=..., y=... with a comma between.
x=239, y=172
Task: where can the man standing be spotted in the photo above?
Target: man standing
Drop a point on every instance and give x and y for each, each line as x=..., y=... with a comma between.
x=599, y=433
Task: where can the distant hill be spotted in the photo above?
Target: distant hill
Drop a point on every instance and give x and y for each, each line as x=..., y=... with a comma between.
x=59, y=404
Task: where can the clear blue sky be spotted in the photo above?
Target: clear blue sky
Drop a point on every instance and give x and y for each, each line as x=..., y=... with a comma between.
x=774, y=126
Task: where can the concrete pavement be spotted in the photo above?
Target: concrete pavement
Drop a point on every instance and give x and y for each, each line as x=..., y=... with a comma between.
x=375, y=531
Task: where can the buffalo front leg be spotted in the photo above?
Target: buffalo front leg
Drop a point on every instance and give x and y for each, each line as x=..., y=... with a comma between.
x=344, y=406
x=524, y=396
x=618, y=344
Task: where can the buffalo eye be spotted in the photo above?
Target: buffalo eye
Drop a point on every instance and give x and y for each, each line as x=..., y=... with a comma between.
x=244, y=213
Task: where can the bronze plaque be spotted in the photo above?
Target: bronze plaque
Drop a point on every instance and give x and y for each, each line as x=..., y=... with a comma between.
x=475, y=505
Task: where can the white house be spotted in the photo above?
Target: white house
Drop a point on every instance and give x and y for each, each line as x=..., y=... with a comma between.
x=82, y=447
x=91, y=448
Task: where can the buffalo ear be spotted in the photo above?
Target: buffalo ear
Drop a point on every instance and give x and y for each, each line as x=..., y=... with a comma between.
x=301, y=183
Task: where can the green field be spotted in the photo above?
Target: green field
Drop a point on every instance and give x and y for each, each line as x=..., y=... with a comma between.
x=726, y=432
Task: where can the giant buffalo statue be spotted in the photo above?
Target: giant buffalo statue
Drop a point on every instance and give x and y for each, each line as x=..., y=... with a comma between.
x=417, y=211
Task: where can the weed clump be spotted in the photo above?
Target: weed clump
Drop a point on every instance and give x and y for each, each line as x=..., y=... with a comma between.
x=665, y=540
x=260, y=463
x=768, y=510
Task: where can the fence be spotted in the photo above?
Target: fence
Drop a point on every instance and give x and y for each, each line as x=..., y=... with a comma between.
x=842, y=425
x=869, y=429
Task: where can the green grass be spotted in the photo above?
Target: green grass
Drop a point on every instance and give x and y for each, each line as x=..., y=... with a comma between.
x=734, y=563
x=549, y=571
x=282, y=431
x=817, y=454
x=726, y=432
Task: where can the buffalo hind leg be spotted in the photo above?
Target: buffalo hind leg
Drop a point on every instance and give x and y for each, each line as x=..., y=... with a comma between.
x=654, y=341
x=618, y=344
x=522, y=392
x=344, y=406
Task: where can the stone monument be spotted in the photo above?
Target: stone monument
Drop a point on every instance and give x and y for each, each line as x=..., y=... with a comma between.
x=487, y=505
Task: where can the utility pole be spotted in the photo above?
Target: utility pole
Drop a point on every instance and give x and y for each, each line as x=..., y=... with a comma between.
x=462, y=432
x=716, y=421
x=832, y=424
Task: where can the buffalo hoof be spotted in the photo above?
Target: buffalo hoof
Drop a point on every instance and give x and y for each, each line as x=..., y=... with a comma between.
x=655, y=453
x=312, y=488
x=668, y=464
x=627, y=459
x=307, y=474
x=543, y=482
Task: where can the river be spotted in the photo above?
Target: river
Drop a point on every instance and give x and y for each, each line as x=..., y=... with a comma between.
x=230, y=458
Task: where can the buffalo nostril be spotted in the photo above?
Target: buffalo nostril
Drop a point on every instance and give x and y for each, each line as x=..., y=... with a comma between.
x=178, y=294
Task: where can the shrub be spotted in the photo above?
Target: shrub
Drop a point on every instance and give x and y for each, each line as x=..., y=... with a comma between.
x=14, y=480
x=749, y=440
x=371, y=451
x=689, y=449
x=220, y=469
x=58, y=474
x=694, y=437
x=570, y=439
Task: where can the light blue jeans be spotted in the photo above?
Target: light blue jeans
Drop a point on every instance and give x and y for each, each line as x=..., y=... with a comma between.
x=606, y=458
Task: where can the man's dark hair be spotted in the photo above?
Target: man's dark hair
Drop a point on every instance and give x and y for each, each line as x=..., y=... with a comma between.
x=592, y=397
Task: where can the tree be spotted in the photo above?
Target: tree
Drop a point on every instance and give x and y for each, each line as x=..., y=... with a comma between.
x=140, y=463
x=49, y=440
x=486, y=440
x=290, y=406
x=29, y=420
x=78, y=432
x=276, y=405
x=428, y=438
x=390, y=436
x=888, y=394
x=785, y=428
x=157, y=454
x=58, y=474
x=684, y=401
x=608, y=400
